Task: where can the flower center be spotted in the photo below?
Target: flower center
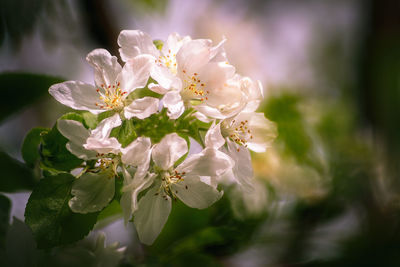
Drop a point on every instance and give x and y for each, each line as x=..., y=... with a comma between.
x=112, y=96
x=168, y=61
x=238, y=132
x=193, y=88
x=105, y=164
x=169, y=178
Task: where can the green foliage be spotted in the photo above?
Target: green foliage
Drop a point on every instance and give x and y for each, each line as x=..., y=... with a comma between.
x=22, y=89
x=15, y=176
x=293, y=135
x=55, y=155
x=124, y=133
x=5, y=207
x=49, y=216
x=30, y=147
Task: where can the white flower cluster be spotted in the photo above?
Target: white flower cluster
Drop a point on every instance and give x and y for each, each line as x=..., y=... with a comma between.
x=187, y=74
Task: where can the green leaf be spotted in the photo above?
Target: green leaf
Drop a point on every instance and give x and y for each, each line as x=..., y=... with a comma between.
x=90, y=119
x=54, y=153
x=73, y=116
x=22, y=89
x=30, y=147
x=49, y=216
x=5, y=207
x=124, y=133
x=15, y=176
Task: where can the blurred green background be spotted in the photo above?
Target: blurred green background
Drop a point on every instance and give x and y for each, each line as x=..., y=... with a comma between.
x=328, y=189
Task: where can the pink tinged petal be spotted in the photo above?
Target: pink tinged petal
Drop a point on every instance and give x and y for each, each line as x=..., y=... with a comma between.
x=202, y=117
x=76, y=95
x=254, y=92
x=173, y=102
x=137, y=152
x=92, y=192
x=217, y=53
x=135, y=42
x=169, y=150
x=106, y=67
x=77, y=134
x=193, y=55
x=158, y=88
x=173, y=43
x=216, y=74
x=210, y=162
x=242, y=172
x=164, y=77
x=142, y=108
x=194, y=193
x=135, y=73
x=214, y=137
x=207, y=111
x=152, y=214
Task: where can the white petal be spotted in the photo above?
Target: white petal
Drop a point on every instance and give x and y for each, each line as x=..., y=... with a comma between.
x=214, y=137
x=77, y=134
x=92, y=192
x=151, y=215
x=99, y=139
x=157, y=88
x=165, y=78
x=104, y=128
x=207, y=111
x=131, y=191
x=136, y=73
x=173, y=102
x=216, y=74
x=169, y=150
x=195, y=193
x=137, y=152
x=210, y=162
x=106, y=67
x=173, y=43
x=242, y=172
x=135, y=42
x=193, y=55
x=218, y=53
x=142, y=108
x=76, y=95
x=263, y=130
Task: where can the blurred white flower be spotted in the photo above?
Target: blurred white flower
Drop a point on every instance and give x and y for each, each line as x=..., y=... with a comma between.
x=113, y=84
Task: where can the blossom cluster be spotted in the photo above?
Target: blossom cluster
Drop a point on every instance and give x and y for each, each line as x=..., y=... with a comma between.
x=189, y=80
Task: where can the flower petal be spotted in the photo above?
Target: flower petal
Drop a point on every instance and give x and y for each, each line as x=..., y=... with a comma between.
x=193, y=55
x=152, y=214
x=194, y=193
x=242, y=172
x=165, y=78
x=214, y=137
x=135, y=42
x=106, y=67
x=142, y=108
x=77, y=134
x=92, y=192
x=169, y=150
x=99, y=139
x=210, y=162
x=173, y=102
x=136, y=73
x=157, y=88
x=131, y=190
x=76, y=95
x=137, y=152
